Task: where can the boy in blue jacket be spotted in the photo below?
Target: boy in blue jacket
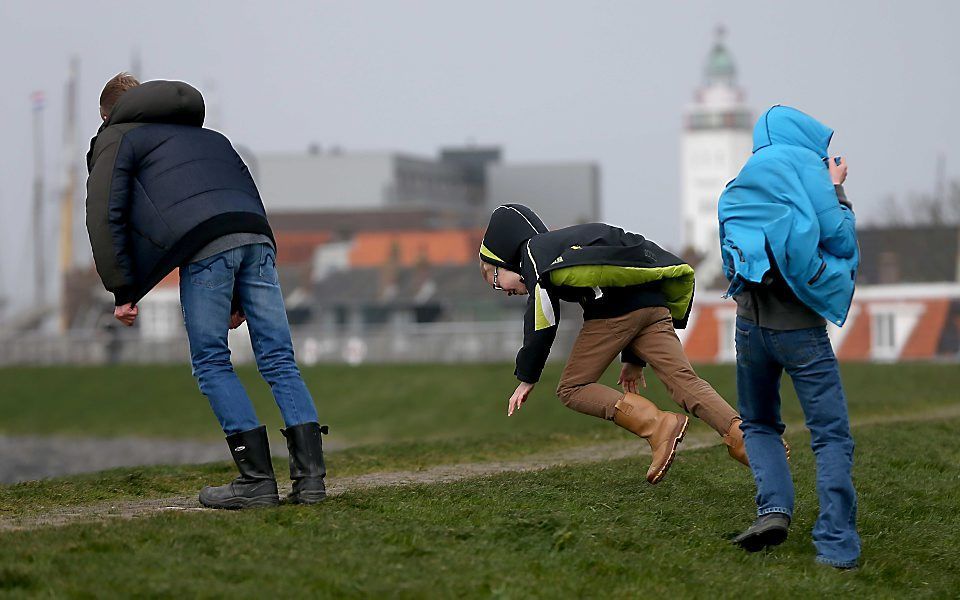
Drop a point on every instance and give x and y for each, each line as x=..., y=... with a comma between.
x=789, y=245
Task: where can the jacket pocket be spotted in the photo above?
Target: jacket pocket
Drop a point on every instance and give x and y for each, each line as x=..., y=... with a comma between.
x=819, y=273
x=738, y=251
x=212, y=273
x=268, y=265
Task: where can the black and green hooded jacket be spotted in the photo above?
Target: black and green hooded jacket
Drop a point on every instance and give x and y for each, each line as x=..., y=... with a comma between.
x=161, y=187
x=607, y=270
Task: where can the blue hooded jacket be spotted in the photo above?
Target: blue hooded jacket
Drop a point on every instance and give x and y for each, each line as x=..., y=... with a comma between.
x=783, y=199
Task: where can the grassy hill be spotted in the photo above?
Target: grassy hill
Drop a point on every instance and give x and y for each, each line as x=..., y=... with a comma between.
x=574, y=530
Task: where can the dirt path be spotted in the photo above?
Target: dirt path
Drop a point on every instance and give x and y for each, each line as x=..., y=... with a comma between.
x=438, y=474
x=339, y=485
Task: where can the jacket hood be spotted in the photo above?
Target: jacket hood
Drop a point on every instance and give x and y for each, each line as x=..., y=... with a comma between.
x=510, y=226
x=788, y=126
x=173, y=102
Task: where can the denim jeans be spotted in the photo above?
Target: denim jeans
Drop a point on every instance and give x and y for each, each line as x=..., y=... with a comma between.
x=806, y=355
x=207, y=288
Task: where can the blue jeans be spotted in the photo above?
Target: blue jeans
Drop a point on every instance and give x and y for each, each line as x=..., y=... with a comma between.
x=762, y=356
x=207, y=288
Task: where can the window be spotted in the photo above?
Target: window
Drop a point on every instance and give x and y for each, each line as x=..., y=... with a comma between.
x=884, y=340
x=891, y=325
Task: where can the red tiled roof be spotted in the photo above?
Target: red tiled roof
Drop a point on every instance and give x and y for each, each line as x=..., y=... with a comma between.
x=408, y=248
x=856, y=344
x=703, y=342
x=925, y=339
x=294, y=247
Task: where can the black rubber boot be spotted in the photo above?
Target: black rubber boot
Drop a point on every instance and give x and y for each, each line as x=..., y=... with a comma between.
x=307, y=469
x=257, y=485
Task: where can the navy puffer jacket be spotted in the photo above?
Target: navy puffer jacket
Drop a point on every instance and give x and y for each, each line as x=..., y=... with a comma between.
x=161, y=187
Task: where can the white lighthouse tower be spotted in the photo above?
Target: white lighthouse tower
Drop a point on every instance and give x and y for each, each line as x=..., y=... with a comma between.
x=717, y=140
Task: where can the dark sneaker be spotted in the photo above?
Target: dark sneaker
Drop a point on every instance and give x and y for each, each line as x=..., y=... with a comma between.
x=768, y=530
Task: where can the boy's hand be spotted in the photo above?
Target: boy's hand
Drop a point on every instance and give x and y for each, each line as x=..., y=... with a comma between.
x=519, y=397
x=838, y=173
x=126, y=313
x=629, y=375
x=237, y=319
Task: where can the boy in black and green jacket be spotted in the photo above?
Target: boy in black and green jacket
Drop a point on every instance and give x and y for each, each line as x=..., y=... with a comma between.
x=633, y=295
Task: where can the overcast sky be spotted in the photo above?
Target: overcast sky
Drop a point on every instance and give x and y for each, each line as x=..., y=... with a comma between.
x=548, y=80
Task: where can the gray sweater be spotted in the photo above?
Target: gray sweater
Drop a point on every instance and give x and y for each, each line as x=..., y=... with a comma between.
x=229, y=242
x=772, y=304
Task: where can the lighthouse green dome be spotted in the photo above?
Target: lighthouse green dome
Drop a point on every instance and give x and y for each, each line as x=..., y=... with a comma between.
x=720, y=67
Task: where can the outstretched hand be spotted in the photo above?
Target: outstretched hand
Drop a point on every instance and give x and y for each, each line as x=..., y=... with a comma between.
x=630, y=374
x=519, y=397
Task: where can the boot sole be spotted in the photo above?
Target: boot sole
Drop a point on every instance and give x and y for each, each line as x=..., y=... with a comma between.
x=763, y=539
x=241, y=503
x=673, y=452
x=307, y=498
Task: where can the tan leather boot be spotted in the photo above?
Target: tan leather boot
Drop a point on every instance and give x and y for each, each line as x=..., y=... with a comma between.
x=734, y=441
x=663, y=430
x=736, y=448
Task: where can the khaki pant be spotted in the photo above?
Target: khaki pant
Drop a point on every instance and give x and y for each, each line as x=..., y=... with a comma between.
x=650, y=335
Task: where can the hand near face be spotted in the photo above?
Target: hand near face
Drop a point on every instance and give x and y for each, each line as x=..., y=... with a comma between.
x=838, y=173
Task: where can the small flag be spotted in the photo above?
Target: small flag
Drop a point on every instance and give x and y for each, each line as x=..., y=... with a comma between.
x=38, y=99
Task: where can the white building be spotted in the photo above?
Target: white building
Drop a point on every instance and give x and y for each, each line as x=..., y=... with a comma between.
x=717, y=140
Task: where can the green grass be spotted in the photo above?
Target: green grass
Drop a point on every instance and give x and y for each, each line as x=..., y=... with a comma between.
x=587, y=531
x=375, y=404
x=419, y=416
x=134, y=483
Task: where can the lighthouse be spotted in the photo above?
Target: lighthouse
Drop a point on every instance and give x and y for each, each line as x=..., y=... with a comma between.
x=716, y=141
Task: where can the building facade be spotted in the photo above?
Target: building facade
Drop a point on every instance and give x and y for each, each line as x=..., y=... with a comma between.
x=317, y=181
x=886, y=323
x=461, y=184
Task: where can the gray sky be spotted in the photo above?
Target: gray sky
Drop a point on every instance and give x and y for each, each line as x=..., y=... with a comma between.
x=548, y=80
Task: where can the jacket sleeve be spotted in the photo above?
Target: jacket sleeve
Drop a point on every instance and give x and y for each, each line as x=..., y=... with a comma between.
x=108, y=203
x=539, y=330
x=838, y=234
